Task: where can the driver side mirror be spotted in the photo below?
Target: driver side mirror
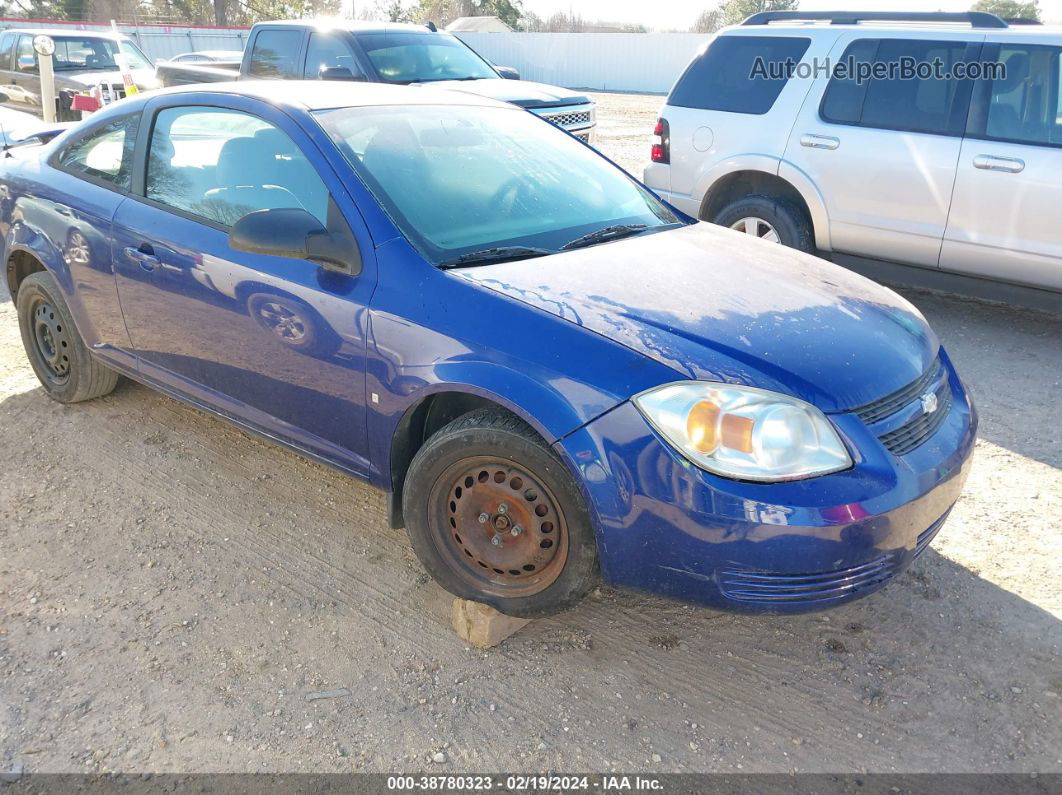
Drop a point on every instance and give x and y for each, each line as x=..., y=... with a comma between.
x=507, y=72
x=294, y=233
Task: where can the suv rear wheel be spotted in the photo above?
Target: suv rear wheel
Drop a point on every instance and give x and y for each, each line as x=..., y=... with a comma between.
x=774, y=220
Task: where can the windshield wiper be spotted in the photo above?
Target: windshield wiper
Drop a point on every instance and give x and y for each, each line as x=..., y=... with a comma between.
x=487, y=256
x=602, y=235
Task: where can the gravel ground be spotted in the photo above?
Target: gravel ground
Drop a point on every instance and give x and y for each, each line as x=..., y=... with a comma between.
x=173, y=592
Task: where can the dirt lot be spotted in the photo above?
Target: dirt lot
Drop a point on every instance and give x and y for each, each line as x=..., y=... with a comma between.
x=172, y=590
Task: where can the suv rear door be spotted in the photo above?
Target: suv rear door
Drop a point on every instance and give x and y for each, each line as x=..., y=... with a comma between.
x=1004, y=216
x=883, y=151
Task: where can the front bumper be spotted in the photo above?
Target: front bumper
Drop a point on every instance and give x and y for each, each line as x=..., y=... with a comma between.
x=668, y=527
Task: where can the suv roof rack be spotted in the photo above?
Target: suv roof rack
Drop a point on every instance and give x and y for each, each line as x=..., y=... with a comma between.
x=975, y=19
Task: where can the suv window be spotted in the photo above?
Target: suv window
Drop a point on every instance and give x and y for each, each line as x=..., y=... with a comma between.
x=893, y=102
x=25, y=56
x=328, y=51
x=222, y=164
x=1025, y=106
x=274, y=54
x=7, y=42
x=738, y=74
x=104, y=154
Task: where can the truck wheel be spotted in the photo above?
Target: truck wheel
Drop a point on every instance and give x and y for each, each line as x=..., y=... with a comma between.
x=773, y=220
x=495, y=517
x=66, y=369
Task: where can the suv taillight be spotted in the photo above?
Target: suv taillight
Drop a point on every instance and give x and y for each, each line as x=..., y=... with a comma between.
x=661, y=150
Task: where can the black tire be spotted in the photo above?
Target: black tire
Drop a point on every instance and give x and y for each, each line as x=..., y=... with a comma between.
x=490, y=463
x=66, y=369
x=789, y=221
x=293, y=323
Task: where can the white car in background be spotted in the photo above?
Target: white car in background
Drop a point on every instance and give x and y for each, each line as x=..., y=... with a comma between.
x=958, y=175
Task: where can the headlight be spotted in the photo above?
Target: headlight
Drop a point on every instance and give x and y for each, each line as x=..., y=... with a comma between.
x=744, y=433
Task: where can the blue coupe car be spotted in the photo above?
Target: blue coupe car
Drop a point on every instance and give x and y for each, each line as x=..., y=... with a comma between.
x=555, y=376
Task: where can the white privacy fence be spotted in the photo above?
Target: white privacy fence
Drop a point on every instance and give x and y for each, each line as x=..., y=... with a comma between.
x=649, y=62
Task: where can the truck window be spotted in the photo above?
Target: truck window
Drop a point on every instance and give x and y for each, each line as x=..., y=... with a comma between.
x=738, y=74
x=274, y=54
x=328, y=51
x=894, y=101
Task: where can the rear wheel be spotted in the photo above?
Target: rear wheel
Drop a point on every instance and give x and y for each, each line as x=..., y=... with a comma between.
x=770, y=219
x=62, y=362
x=495, y=517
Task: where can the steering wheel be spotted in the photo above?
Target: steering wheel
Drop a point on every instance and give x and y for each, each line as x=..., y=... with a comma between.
x=507, y=197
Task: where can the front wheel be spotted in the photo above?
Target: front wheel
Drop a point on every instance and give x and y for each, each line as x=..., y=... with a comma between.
x=770, y=219
x=495, y=517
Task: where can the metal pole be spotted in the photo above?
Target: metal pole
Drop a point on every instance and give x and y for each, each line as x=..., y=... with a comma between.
x=45, y=46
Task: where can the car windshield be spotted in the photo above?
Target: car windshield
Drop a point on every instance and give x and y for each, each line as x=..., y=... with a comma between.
x=78, y=53
x=460, y=180
x=408, y=57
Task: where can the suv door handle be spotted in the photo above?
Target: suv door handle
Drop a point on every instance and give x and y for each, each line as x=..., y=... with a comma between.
x=1011, y=165
x=819, y=141
x=145, y=256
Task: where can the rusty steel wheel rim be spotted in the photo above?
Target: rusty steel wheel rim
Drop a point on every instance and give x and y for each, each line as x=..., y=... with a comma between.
x=499, y=526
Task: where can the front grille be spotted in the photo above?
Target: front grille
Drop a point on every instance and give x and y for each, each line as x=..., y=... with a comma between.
x=583, y=136
x=761, y=587
x=890, y=404
x=913, y=433
x=572, y=119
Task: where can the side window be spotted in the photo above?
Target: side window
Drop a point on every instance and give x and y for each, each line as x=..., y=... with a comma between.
x=25, y=57
x=328, y=51
x=222, y=164
x=1024, y=103
x=274, y=54
x=739, y=74
x=105, y=153
x=891, y=100
x=7, y=42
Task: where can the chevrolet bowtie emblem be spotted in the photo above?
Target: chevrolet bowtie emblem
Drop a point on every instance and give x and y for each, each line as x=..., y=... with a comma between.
x=929, y=402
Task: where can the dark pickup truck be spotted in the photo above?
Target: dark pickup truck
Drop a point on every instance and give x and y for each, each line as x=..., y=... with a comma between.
x=385, y=53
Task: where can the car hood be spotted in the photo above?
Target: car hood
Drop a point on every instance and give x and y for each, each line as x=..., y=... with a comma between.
x=517, y=92
x=719, y=305
x=88, y=79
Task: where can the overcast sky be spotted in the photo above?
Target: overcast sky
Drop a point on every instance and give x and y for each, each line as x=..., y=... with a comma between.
x=680, y=14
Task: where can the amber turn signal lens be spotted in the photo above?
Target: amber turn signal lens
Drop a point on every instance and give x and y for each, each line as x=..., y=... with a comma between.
x=702, y=425
x=737, y=433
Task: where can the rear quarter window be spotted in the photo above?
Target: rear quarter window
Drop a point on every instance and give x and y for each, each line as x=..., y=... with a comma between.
x=738, y=74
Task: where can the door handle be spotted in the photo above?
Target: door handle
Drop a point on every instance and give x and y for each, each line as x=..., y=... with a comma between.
x=1010, y=165
x=144, y=256
x=819, y=141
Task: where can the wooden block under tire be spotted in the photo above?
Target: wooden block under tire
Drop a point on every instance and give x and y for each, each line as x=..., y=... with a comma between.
x=481, y=625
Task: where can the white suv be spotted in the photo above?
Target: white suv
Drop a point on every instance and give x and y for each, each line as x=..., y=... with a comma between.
x=928, y=168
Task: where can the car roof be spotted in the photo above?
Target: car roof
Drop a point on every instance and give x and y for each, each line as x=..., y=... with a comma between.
x=327, y=94
x=808, y=28
x=353, y=26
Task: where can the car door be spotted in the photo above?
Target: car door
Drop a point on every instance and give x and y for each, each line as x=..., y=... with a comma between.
x=1008, y=188
x=276, y=343
x=882, y=151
